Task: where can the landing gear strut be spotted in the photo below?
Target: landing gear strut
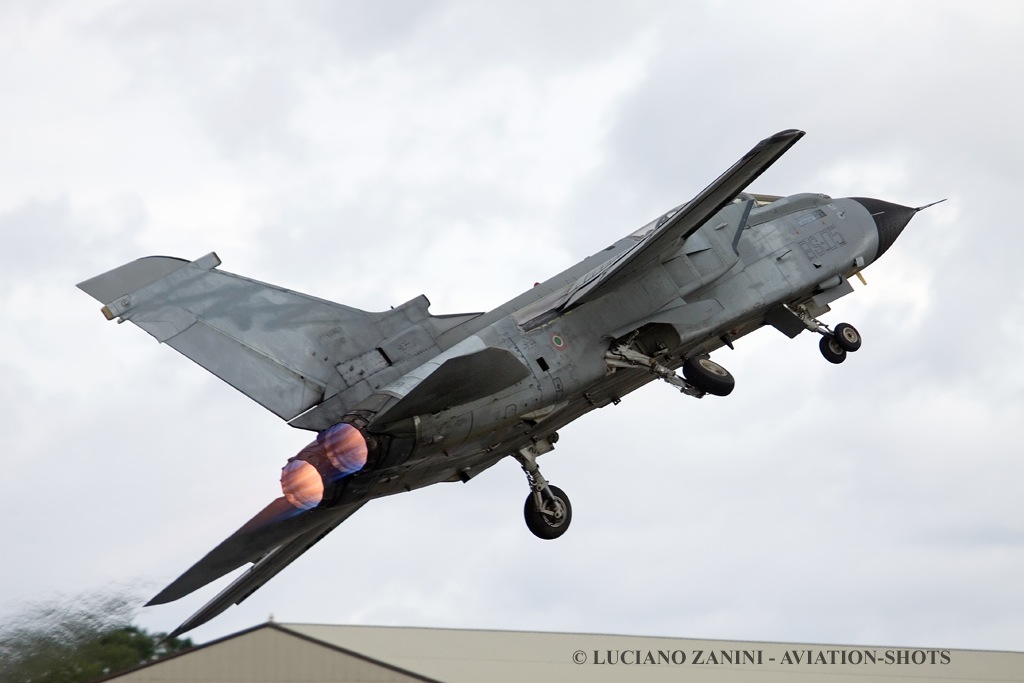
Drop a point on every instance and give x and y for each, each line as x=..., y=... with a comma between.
x=547, y=509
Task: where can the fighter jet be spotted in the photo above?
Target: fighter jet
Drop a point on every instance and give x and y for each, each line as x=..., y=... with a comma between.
x=402, y=399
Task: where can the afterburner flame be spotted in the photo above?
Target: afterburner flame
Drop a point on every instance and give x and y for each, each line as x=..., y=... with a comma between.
x=337, y=452
x=302, y=485
x=345, y=448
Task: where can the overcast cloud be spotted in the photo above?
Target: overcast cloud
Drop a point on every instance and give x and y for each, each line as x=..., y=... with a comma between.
x=369, y=152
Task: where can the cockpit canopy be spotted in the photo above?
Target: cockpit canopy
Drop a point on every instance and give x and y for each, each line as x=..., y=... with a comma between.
x=758, y=199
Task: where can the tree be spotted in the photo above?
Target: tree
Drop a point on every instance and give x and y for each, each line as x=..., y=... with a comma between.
x=78, y=640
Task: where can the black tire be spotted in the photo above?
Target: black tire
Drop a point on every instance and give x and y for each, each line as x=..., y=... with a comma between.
x=708, y=376
x=847, y=336
x=544, y=526
x=831, y=350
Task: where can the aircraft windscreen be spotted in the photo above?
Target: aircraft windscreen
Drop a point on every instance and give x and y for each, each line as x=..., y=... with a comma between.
x=660, y=220
x=654, y=225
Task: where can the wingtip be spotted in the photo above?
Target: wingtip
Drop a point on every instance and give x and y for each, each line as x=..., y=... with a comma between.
x=782, y=140
x=790, y=133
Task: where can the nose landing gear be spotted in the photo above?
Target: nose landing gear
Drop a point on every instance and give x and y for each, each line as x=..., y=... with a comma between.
x=834, y=344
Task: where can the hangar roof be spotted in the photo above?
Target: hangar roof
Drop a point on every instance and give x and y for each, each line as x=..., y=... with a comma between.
x=301, y=653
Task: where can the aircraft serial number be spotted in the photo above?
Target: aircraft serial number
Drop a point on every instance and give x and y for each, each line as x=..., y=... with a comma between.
x=822, y=241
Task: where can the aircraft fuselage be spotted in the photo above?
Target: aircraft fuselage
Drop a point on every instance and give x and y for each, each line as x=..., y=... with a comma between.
x=793, y=253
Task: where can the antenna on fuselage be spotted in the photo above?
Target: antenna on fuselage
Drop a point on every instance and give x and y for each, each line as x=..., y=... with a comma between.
x=922, y=208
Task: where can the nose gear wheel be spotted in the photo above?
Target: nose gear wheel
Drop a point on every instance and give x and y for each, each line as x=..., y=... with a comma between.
x=831, y=350
x=847, y=336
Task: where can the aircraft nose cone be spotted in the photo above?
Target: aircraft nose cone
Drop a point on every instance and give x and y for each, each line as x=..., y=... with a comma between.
x=890, y=219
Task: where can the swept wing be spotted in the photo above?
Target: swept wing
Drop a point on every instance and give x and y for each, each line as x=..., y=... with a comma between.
x=682, y=222
x=255, y=336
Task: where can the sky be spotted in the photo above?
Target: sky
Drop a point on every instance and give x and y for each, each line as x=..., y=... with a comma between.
x=369, y=152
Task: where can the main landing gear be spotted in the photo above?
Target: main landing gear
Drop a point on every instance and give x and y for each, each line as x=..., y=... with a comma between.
x=547, y=509
x=701, y=375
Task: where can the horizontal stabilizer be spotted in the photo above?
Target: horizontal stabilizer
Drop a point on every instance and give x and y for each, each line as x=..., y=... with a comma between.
x=266, y=569
x=683, y=222
x=275, y=524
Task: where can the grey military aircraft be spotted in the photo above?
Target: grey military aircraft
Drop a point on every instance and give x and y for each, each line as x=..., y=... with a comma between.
x=403, y=399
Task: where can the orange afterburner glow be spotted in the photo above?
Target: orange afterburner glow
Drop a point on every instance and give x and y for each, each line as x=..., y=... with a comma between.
x=302, y=485
x=337, y=452
x=345, y=448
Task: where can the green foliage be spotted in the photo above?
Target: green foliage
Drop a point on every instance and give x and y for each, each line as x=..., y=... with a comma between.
x=77, y=640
